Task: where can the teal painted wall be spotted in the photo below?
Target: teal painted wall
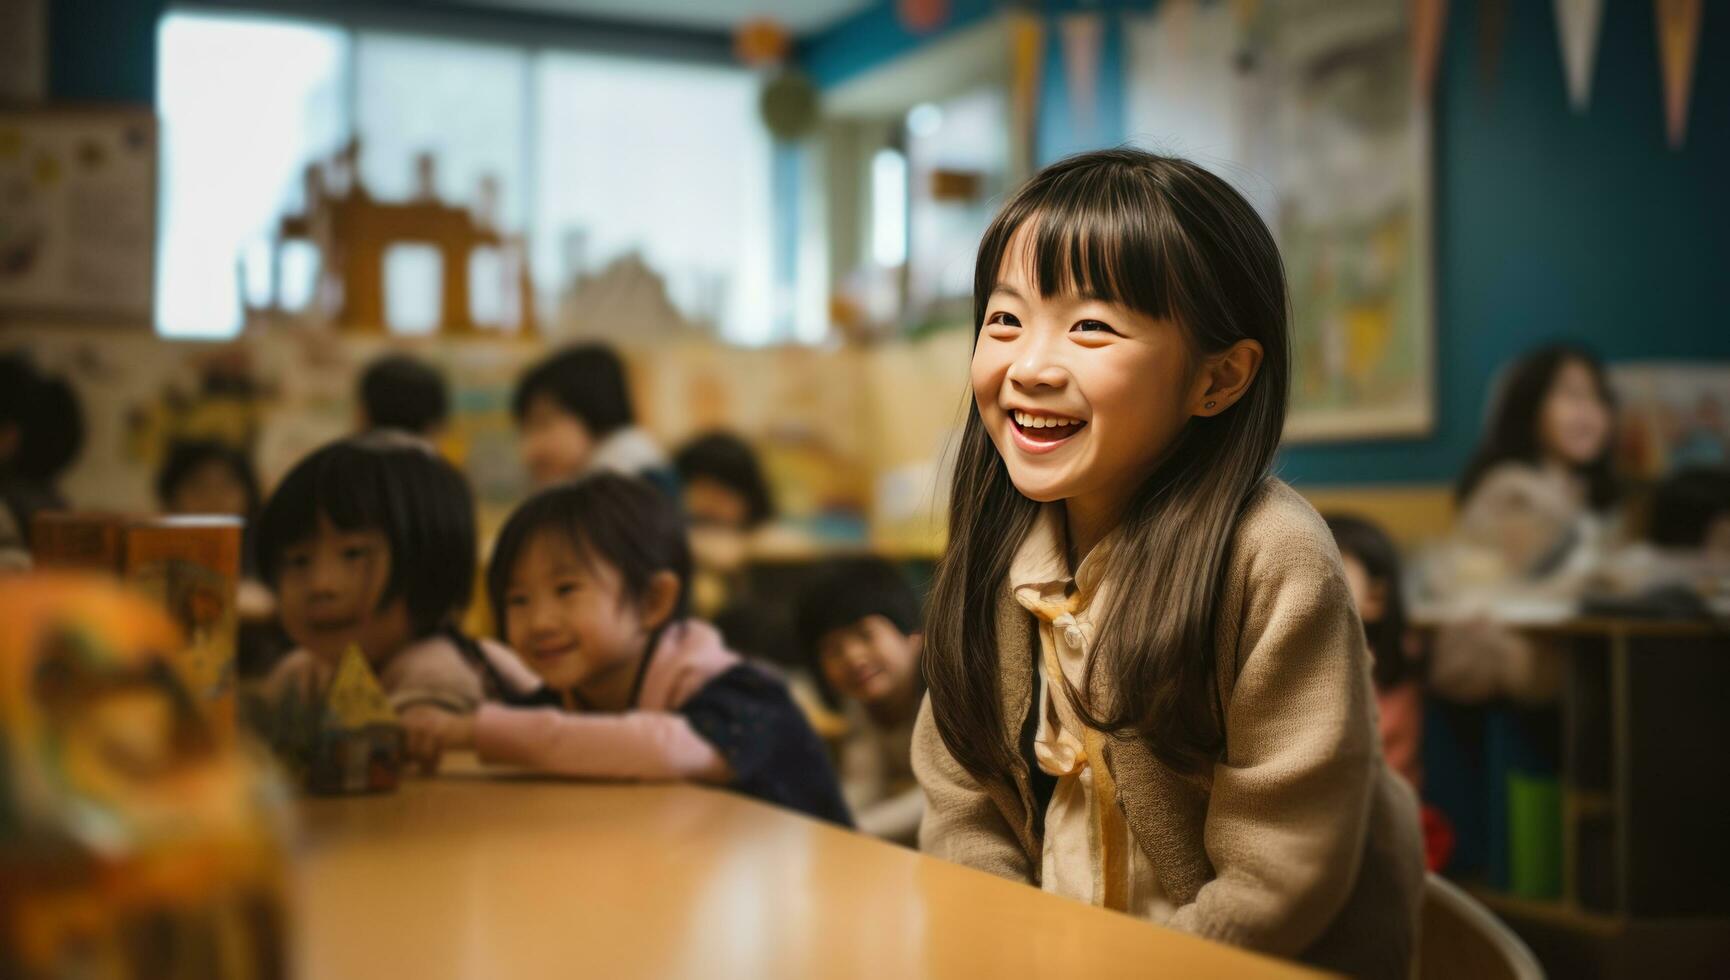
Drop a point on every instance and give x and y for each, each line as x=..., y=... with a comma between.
x=102, y=50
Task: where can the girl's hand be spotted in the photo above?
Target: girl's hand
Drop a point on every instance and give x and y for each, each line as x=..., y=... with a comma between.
x=431, y=731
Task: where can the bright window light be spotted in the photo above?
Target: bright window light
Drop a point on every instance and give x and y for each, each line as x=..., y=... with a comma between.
x=245, y=103
x=889, y=208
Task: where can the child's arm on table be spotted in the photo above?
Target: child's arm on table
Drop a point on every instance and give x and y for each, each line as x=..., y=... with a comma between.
x=645, y=745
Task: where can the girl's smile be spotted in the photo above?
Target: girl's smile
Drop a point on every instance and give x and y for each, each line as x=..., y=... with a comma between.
x=1037, y=432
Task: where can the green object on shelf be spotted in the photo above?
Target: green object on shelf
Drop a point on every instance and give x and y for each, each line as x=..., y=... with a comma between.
x=1534, y=836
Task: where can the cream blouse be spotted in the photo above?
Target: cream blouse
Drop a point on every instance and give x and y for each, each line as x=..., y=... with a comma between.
x=1090, y=853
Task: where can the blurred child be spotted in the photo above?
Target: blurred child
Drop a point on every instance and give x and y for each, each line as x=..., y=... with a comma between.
x=1372, y=568
x=722, y=483
x=371, y=541
x=207, y=477
x=210, y=477
x=1539, y=487
x=726, y=500
x=859, y=629
x=41, y=434
x=589, y=581
x=574, y=416
x=1534, y=526
x=402, y=392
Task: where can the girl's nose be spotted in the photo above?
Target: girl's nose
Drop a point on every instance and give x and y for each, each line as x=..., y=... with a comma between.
x=542, y=618
x=325, y=578
x=1036, y=364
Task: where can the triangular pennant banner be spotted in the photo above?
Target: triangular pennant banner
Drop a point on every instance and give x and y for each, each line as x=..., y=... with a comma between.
x=1577, y=25
x=1083, y=34
x=1429, y=23
x=1179, y=16
x=1678, y=43
x=1026, y=61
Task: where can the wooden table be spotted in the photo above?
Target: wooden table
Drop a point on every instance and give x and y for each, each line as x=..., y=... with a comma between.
x=477, y=875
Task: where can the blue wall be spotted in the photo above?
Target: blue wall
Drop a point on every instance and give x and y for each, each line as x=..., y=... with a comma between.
x=1549, y=225
x=102, y=50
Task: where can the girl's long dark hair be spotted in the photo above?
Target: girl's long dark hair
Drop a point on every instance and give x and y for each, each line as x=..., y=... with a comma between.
x=1168, y=239
x=1512, y=435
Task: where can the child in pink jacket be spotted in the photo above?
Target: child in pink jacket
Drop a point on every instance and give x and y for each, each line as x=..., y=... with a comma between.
x=589, y=583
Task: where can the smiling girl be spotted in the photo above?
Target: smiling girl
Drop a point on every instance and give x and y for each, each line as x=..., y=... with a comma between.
x=1148, y=689
x=591, y=584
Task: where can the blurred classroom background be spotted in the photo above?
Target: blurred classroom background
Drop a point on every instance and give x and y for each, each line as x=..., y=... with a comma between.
x=214, y=215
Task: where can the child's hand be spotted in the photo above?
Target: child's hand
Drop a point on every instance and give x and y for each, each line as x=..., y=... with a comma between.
x=432, y=731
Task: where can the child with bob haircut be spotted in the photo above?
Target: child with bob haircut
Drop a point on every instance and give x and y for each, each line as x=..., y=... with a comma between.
x=370, y=541
x=858, y=626
x=589, y=582
x=574, y=417
x=1148, y=689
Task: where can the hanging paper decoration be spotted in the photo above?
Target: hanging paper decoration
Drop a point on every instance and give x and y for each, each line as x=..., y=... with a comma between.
x=1577, y=26
x=1678, y=43
x=1026, y=61
x=922, y=16
x=762, y=42
x=1179, y=19
x=788, y=104
x=1083, y=34
x=1492, y=31
x=1429, y=23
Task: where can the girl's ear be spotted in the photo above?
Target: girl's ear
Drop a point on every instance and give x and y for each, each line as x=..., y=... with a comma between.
x=1224, y=377
x=659, y=600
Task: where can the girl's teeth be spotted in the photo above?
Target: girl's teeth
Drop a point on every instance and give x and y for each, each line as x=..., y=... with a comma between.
x=1041, y=422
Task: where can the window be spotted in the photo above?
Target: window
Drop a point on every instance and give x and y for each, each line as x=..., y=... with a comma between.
x=596, y=158
x=245, y=103
x=666, y=161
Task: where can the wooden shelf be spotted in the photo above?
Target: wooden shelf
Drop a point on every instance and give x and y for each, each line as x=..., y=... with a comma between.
x=1553, y=913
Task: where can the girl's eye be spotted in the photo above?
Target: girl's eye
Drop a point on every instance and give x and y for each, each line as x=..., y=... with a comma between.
x=1093, y=326
x=1002, y=319
x=296, y=561
x=354, y=553
x=565, y=589
x=516, y=601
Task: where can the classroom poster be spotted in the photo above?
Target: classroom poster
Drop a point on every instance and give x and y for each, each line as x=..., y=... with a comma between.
x=1311, y=111
x=78, y=212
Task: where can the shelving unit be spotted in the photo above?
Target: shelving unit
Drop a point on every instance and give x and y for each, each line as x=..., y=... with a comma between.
x=1645, y=809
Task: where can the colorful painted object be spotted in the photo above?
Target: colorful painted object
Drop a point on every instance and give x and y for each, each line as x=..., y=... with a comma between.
x=137, y=837
x=360, y=743
x=190, y=566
